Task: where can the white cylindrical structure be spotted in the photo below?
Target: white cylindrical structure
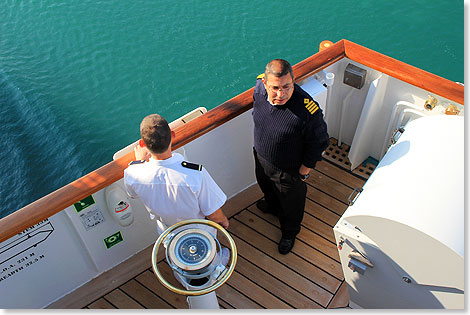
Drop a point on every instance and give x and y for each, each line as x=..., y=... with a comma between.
x=330, y=80
x=409, y=222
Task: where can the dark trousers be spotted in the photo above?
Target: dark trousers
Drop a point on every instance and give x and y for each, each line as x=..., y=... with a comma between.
x=284, y=192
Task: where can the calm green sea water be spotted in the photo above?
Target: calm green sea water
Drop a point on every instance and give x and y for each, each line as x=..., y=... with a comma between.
x=77, y=77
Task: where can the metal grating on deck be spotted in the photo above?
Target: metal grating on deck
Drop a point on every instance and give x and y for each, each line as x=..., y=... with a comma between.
x=339, y=156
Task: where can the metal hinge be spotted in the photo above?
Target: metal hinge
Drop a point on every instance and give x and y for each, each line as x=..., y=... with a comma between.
x=397, y=134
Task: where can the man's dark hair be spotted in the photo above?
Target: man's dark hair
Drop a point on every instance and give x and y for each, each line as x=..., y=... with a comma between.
x=278, y=68
x=156, y=133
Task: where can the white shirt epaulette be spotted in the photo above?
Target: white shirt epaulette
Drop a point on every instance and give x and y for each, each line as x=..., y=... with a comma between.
x=136, y=162
x=192, y=166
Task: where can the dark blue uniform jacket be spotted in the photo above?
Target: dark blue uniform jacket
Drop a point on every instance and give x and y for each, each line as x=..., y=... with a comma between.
x=289, y=135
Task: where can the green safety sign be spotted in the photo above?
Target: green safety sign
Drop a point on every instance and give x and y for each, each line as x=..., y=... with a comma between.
x=112, y=240
x=84, y=203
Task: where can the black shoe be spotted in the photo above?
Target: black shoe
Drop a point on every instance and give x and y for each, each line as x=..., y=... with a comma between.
x=263, y=206
x=285, y=245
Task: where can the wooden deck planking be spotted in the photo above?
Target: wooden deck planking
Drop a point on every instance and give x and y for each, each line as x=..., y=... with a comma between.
x=316, y=241
x=327, y=184
x=318, y=227
x=148, y=279
x=295, y=261
x=326, y=200
x=300, y=248
x=310, y=277
x=321, y=213
x=275, y=286
x=144, y=296
x=101, y=304
x=256, y=292
x=235, y=298
x=333, y=171
x=224, y=305
x=121, y=300
x=283, y=273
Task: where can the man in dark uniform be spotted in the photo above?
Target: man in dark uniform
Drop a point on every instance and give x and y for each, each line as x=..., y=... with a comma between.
x=289, y=138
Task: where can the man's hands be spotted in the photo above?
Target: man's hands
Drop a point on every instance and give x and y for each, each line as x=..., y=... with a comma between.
x=303, y=170
x=219, y=217
x=141, y=153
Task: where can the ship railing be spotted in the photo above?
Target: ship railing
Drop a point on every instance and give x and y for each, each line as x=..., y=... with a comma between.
x=104, y=176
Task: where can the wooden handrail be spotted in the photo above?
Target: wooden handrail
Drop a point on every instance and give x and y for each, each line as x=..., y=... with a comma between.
x=405, y=72
x=113, y=171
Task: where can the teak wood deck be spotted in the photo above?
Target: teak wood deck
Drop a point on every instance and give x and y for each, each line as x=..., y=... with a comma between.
x=310, y=277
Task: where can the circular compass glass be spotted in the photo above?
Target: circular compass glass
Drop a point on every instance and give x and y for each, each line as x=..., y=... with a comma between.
x=192, y=249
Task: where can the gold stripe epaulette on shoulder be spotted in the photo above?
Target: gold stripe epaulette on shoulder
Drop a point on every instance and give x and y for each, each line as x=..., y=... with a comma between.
x=311, y=105
x=260, y=76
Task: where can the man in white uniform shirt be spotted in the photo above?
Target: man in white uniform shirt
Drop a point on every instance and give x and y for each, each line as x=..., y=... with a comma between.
x=171, y=189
